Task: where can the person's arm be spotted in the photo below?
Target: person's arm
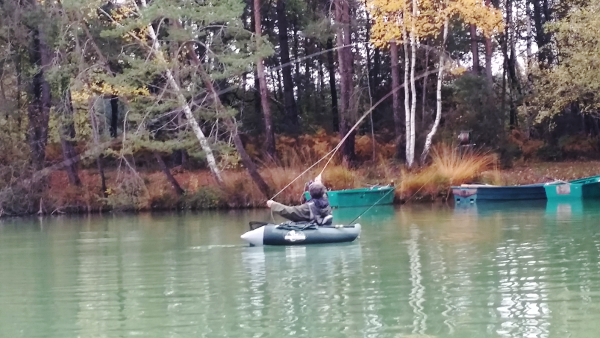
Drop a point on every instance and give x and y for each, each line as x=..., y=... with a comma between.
x=293, y=213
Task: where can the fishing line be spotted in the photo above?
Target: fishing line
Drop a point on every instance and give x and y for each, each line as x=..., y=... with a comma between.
x=394, y=186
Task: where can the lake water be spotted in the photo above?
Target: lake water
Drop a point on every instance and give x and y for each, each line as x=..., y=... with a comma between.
x=510, y=270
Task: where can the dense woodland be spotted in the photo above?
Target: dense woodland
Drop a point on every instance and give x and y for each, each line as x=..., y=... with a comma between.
x=112, y=89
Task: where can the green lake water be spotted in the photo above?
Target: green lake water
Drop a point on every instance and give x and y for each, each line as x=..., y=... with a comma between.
x=523, y=269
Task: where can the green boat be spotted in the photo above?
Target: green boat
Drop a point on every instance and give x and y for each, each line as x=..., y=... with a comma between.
x=376, y=195
x=583, y=188
x=475, y=193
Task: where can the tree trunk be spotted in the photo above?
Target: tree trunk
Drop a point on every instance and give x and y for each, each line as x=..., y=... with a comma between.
x=321, y=75
x=256, y=92
x=168, y=174
x=541, y=38
x=102, y=176
x=264, y=95
x=39, y=108
x=256, y=95
x=342, y=11
x=504, y=46
x=308, y=78
x=280, y=90
x=296, y=52
x=250, y=166
x=370, y=81
x=407, y=124
x=96, y=138
x=334, y=101
x=376, y=69
x=19, y=71
x=488, y=56
x=510, y=64
x=396, y=97
x=413, y=107
x=114, y=115
x=547, y=13
x=548, y=18
x=158, y=55
x=512, y=69
x=67, y=137
x=474, y=49
x=438, y=112
x=488, y=61
x=529, y=37
x=368, y=52
x=237, y=141
x=424, y=94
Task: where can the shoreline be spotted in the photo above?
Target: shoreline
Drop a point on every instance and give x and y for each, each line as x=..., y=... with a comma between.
x=149, y=191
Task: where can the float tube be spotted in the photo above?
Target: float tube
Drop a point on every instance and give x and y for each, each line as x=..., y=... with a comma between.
x=299, y=233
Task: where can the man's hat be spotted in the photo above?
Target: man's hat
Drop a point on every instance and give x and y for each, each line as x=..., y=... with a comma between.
x=316, y=190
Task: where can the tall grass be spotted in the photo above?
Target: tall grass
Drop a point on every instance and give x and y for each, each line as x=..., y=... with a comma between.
x=448, y=167
x=458, y=168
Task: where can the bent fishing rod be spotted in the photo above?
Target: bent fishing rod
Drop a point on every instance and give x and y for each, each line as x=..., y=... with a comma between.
x=358, y=122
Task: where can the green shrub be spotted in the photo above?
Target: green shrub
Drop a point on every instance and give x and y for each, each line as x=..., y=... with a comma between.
x=204, y=198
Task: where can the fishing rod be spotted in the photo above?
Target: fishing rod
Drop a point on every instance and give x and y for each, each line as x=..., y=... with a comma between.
x=358, y=122
x=372, y=205
x=382, y=197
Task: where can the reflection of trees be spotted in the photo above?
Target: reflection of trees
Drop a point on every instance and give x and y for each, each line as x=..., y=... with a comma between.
x=417, y=292
x=469, y=261
x=420, y=272
x=306, y=289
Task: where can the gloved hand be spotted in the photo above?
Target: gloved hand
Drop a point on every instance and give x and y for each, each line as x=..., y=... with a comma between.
x=318, y=179
x=269, y=203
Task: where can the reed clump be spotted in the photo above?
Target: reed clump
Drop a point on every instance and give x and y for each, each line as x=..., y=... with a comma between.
x=279, y=177
x=448, y=167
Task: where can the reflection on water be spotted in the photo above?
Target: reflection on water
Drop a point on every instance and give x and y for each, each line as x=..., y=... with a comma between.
x=417, y=292
x=489, y=208
x=505, y=270
x=368, y=215
x=565, y=210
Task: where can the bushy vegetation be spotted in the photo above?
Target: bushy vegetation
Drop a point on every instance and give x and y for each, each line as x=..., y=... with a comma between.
x=171, y=104
x=151, y=191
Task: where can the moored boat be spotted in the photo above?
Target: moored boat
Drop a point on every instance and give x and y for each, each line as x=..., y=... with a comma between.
x=471, y=193
x=300, y=233
x=376, y=195
x=583, y=188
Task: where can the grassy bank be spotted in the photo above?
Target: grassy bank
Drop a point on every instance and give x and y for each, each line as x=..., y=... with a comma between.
x=137, y=191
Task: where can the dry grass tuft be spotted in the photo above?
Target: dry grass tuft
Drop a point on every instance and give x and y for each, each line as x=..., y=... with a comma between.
x=240, y=191
x=449, y=167
x=338, y=177
x=278, y=177
x=459, y=168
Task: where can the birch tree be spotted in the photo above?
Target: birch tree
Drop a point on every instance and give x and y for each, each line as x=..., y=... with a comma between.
x=395, y=20
x=214, y=41
x=156, y=50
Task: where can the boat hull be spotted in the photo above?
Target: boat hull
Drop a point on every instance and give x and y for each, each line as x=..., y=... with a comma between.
x=284, y=234
x=584, y=188
x=474, y=193
x=359, y=197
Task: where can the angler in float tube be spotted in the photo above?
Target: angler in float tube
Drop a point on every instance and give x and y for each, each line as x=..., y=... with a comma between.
x=316, y=209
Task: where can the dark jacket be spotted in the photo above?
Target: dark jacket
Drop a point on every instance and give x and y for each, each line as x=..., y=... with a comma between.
x=313, y=210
